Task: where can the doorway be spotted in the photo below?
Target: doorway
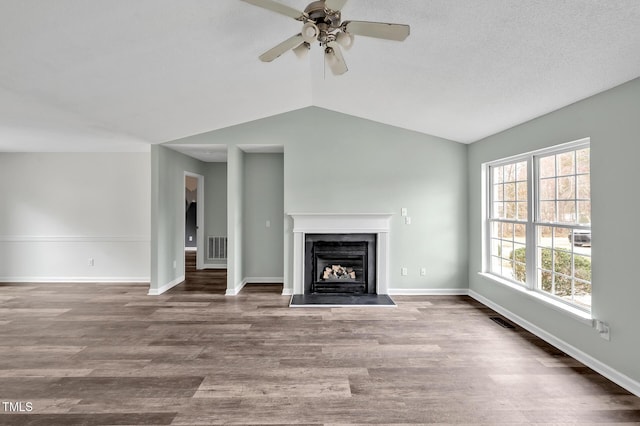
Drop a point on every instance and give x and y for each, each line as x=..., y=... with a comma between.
x=193, y=219
x=191, y=213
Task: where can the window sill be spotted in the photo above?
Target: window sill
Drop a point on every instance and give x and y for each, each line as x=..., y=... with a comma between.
x=575, y=313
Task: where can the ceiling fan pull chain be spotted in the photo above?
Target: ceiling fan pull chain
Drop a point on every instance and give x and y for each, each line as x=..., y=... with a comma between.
x=324, y=67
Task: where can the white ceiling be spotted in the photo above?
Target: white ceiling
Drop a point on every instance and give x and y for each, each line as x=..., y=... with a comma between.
x=101, y=75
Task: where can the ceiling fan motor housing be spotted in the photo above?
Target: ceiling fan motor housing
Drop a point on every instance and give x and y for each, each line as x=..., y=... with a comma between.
x=325, y=19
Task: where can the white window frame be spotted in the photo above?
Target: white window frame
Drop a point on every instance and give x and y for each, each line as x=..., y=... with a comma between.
x=489, y=206
x=533, y=221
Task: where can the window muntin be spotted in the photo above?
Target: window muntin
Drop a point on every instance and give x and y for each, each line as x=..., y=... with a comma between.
x=509, y=212
x=554, y=240
x=563, y=246
x=509, y=188
x=564, y=188
x=563, y=270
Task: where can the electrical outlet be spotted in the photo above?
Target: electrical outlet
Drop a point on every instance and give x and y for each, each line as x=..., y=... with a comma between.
x=403, y=211
x=603, y=329
x=91, y=262
x=423, y=272
x=190, y=237
x=404, y=272
x=175, y=264
x=268, y=224
x=407, y=220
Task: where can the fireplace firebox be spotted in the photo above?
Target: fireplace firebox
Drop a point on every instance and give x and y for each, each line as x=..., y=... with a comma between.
x=340, y=264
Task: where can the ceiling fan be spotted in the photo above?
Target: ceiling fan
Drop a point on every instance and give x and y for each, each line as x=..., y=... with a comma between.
x=322, y=22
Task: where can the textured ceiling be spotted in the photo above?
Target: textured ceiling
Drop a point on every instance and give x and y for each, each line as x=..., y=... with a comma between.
x=120, y=74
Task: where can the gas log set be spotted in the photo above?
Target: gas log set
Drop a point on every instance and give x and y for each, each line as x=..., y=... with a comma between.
x=338, y=272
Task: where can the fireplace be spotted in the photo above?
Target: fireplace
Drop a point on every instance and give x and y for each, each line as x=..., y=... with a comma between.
x=345, y=228
x=340, y=263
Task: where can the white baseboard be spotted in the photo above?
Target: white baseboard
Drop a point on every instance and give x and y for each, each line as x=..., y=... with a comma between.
x=166, y=287
x=287, y=291
x=428, y=291
x=263, y=280
x=596, y=365
x=101, y=280
x=234, y=291
x=255, y=280
x=214, y=266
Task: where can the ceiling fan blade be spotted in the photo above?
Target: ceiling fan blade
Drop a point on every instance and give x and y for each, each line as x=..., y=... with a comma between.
x=335, y=5
x=288, y=44
x=384, y=30
x=335, y=59
x=274, y=6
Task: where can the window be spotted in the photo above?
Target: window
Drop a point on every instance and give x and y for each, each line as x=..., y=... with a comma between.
x=508, y=217
x=539, y=222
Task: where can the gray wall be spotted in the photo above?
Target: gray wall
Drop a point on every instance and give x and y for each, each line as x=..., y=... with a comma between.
x=215, y=204
x=60, y=209
x=610, y=119
x=263, y=198
x=339, y=163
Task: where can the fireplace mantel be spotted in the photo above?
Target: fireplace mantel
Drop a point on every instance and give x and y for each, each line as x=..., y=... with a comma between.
x=342, y=223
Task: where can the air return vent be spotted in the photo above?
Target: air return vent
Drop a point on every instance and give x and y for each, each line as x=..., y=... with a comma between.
x=216, y=248
x=502, y=322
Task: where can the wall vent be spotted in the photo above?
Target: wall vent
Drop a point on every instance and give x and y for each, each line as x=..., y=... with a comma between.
x=216, y=248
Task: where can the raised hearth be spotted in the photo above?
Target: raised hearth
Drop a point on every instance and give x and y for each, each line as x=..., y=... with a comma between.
x=340, y=300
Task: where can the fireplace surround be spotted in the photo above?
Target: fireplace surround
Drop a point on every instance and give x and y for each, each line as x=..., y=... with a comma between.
x=340, y=263
x=347, y=226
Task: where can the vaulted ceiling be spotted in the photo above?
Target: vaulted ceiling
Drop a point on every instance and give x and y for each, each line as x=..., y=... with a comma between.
x=97, y=75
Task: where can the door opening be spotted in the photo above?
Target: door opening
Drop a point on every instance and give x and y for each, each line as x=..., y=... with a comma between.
x=191, y=213
x=194, y=217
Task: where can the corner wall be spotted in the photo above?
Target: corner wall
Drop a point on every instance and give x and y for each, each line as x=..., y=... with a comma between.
x=168, y=215
x=215, y=208
x=610, y=119
x=263, y=192
x=235, y=209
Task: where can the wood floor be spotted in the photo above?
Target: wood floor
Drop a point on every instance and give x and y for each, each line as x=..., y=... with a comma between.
x=110, y=354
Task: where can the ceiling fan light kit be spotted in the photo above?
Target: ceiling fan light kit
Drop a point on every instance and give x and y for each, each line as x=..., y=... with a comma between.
x=310, y=32
x=345, y=40
x=302, y=50
x=322, y=22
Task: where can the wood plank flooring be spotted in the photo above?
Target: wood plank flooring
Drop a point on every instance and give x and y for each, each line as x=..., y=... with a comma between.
x=109, y=354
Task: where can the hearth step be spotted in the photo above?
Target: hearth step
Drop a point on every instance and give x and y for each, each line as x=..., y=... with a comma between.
x=339, y=300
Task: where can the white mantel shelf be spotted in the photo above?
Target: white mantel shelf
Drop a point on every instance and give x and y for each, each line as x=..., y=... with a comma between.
x=335, y=223
x=342, y=223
